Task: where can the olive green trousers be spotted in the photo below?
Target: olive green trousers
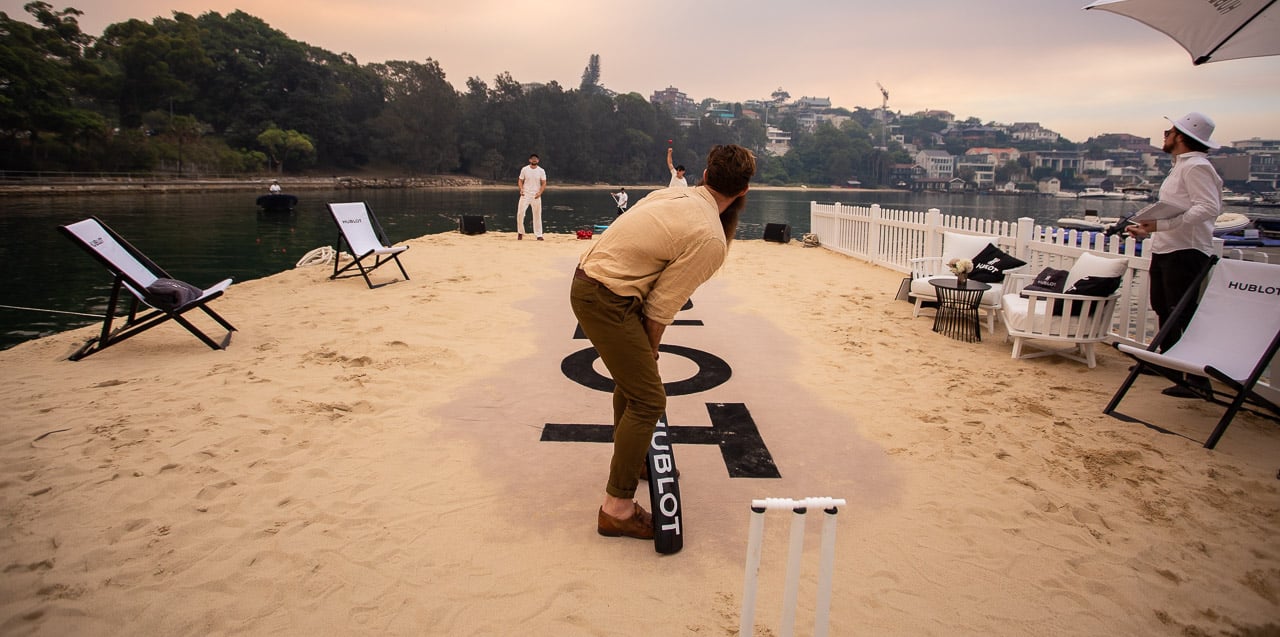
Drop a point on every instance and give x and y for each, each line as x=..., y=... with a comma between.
x=615, y=327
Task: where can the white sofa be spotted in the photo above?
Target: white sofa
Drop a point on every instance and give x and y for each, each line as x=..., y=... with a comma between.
x=1035, y=317
x=955, y=246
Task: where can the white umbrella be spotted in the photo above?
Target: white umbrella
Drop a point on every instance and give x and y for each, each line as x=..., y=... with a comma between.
x=1210, y=30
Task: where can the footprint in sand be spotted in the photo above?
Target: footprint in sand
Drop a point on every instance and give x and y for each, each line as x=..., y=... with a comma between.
x=214, y=490
x=116, y=533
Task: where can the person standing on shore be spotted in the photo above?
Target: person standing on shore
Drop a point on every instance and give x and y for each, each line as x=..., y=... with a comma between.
x=274, y=188
x=677, y=173
x=620, y=198
x=1181, y=246
x=533, y=181
x=628, y=287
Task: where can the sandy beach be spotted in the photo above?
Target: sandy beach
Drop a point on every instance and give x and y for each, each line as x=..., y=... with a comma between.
x=370, y=462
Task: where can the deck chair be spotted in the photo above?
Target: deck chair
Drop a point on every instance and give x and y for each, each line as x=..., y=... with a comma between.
x=1232, y=337
x=359, y=230
x=139, y=276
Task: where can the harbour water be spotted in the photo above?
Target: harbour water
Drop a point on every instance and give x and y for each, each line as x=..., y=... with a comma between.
x=205, y=237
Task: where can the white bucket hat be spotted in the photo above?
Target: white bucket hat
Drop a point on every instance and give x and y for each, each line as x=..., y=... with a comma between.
x=1197, y=126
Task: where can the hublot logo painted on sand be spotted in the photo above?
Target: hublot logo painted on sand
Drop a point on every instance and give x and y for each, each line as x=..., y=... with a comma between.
x=732, y=428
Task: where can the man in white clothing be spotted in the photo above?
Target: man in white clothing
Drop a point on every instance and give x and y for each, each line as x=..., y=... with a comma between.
x=1181, y=246
x=677, y=173
x=620, y=198
x=533, y=180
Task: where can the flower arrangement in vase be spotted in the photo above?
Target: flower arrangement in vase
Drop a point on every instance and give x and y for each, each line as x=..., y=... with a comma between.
x=961, y=268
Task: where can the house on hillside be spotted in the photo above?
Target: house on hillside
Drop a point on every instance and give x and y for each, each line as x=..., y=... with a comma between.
x=945, y=117
x=778, y=141
x=937, y=164
x=930, y=184
x=1059, y=161
x=1032, y=132
x=1001, y=155
x=674, y=99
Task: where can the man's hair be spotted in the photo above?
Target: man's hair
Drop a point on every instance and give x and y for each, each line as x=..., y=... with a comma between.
x=680, y=168
x=534, y=155
x=1191, y=143
x=729, y=169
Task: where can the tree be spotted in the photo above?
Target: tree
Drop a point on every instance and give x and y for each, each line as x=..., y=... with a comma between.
x=282, y=146
x=1010, y=171
x=44, y=89
x=591, y=75
x=143, y=64
x=418, y=126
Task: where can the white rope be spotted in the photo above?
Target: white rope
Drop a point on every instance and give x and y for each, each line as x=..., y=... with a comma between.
x=319, y=256
x=39, y=309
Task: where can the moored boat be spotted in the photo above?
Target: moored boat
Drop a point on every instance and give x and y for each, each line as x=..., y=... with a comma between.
x=277, y=202
x=1230, y=223
x=1237, y=199
x=1091, y=221
x=1137, y=193
x=1269, y=226
x=1077, y=223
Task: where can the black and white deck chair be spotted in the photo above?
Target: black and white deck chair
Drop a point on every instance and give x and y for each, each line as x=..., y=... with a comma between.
x=365, y=240
x=1232, y=338
x=145, y=284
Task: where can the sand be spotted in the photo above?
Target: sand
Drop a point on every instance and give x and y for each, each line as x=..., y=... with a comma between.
x=368, y=462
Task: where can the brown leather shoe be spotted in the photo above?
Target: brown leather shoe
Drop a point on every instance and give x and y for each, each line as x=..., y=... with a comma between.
x=639, y=525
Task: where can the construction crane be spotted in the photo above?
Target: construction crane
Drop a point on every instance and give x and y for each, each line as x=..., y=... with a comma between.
x=884, y=115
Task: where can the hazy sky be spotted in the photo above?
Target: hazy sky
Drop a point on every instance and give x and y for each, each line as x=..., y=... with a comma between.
x=1079, y=73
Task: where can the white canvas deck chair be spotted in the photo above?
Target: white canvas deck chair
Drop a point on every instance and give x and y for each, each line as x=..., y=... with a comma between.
x=144, y=282
x=1232, y=337
x=359, y=230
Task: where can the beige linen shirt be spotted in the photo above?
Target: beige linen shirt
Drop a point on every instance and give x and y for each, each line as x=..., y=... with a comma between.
x=666, y=245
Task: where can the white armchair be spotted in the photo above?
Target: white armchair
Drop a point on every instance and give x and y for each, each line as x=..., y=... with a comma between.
x=1034, y=316
x=955, y=246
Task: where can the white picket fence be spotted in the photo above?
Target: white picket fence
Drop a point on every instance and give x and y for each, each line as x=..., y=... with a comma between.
x=891, y=238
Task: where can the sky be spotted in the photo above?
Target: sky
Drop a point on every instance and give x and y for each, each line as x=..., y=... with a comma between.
x=1079, y=73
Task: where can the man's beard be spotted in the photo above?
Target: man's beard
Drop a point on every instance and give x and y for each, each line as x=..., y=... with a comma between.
x=729, y=218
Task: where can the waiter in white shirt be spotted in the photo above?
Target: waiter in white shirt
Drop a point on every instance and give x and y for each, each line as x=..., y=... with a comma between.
x=1181, y=246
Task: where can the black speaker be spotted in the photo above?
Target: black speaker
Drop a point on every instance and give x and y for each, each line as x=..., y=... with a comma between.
x=777, y=232
x=468, y=224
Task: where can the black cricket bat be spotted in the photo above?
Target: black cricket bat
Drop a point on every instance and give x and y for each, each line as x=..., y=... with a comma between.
x=664, y=492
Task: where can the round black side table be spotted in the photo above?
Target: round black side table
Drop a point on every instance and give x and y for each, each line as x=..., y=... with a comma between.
x=957, y=314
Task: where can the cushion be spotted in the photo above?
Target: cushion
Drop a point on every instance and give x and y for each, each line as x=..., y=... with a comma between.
x=989, y=264
x=1090, y=264
x=1096, y=286
x=1018, y=317
x=963, y=246
x=1049, y=280
x=170, y=294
